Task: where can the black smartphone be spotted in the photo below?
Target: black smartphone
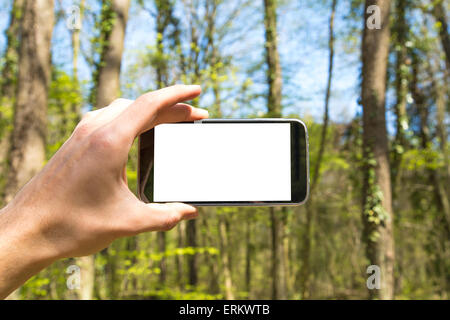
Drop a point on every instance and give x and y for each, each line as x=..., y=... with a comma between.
x=225, y=162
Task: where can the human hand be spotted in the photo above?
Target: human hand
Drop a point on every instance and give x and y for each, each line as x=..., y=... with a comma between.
x=80, y=202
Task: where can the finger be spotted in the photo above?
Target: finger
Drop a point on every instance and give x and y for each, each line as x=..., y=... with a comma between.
x=180, y=112
x=140, y=116
x=161, y=217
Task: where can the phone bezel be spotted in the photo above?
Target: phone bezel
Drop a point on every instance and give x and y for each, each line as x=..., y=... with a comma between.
x=299, y=165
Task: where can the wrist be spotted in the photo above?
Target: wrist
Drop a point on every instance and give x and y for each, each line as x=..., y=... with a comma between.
x=22, y=252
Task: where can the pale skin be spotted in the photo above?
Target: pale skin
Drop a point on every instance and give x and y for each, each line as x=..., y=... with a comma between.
x=80, y=202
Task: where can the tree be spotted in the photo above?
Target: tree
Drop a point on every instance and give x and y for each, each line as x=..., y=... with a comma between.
x=440, y=15
x=318, y=162
x=9, y=70
x=111, y=41
x=113, y=22
x=377, y=205
x=400, y=32
x=27, y=146
x=8, y=80
x=274, y=110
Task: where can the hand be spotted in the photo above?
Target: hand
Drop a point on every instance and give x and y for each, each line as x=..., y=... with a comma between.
x=80, y=202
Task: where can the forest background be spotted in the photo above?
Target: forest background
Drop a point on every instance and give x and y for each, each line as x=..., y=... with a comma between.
x=375, y=100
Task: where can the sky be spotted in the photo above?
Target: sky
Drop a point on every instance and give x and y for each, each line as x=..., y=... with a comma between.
x=303, y=37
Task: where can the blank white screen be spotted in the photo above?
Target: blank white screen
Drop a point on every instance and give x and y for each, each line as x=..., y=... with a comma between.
x=222, y=162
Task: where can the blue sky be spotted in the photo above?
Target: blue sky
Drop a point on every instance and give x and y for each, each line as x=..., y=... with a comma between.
x=303, y=36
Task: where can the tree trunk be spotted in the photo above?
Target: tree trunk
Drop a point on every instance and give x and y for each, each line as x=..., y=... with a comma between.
x=8, y=79
x=439, y=13
x=163, y=18
x=377, y=205
x=248, y=256
x=211, y=260
x=27, y=145
x=274, y=110
x=308, y=235
x=191, y=239
x=224, y=255
x=108, y=83
x=442, y=223
x=401, y=30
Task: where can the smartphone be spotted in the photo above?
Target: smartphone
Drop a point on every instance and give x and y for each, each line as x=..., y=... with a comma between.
x=225, y=162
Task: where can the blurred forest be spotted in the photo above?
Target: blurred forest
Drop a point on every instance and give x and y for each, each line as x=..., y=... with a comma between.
x=376, y=104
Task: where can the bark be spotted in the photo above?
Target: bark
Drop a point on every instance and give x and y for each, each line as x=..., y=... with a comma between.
x=272, y=59
x=191, y=239
x=108, y=83
x=378, y=234
x=274, y=110
x=178, y=258
x=440, y=15
x=425, y=136
x=278, y=263
x=401, y=30
x=305, y=272
x=162, y=262
x=211, y=260
x=442, y=222
x=8, y=79
x=224, y=255
x=9, y=71
x=248, y=257
x=27, y=144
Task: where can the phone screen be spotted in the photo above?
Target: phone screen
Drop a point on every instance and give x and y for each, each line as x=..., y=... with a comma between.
x=222, y=162
x=225, y=162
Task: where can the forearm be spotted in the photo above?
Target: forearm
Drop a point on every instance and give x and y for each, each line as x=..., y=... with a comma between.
x=22, y=255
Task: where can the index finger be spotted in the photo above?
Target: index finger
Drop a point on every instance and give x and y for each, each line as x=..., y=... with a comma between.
x=140, y=116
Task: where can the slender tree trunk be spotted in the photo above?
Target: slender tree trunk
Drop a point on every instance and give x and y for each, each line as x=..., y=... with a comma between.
x=191, y=239
x=179, y=259
x=442, y=223
x=211, y=261
x=401, y=30
x=425, y=135
x=224, y=254
x=108, y=84
x=308, y=235
x=8, y=80
x=107, y=90
x=163, y=18
x=248, y=256
x=27, y=145
x=274, y=110
x=377, y=205
x=439, y=13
